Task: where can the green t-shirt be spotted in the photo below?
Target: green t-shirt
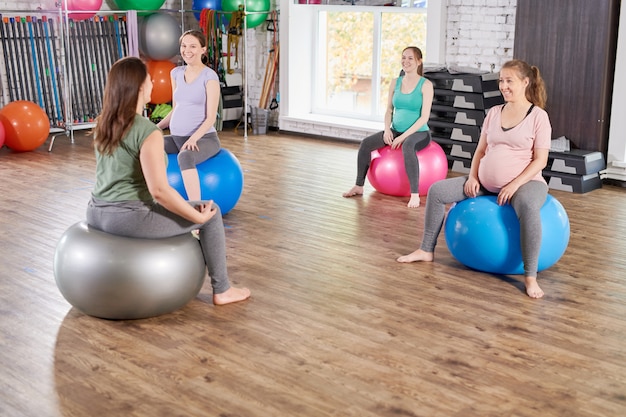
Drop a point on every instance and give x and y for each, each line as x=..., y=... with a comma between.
x=119, y=176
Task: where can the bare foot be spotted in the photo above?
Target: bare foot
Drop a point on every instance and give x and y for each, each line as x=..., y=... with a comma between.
x=417, y=256
x=532, y=288
x=414, y=201
x=231, y=295
x=354, y=191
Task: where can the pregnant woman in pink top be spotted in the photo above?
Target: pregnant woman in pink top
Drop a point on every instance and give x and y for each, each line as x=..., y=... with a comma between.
x=510, y=155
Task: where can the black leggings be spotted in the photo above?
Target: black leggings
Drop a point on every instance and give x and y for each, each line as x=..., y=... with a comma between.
x=208, y=145
x=415, y=142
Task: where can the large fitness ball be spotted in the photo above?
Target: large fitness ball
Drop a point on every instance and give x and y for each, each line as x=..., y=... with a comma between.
x=205, y=4
x=388, y=176
x=221, y=179
x=116, y=277
x=253, y=19
x=161, y=81
x=149, y=5
x=485, y=236
x=89, y=5
x=158, y=36
x=26, y=125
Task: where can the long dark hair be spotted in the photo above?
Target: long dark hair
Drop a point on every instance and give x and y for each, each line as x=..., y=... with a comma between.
x=536, y=90
x=418, y=56
x=119, y=105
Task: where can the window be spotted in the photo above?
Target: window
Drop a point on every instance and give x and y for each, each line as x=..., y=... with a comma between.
x=358, y=54
x=334, y=82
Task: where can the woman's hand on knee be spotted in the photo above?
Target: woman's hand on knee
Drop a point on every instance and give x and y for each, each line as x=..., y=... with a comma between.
x=207, y=211
x=190, y=145
x=397, y=142
x=388, y=137
x=471, y=187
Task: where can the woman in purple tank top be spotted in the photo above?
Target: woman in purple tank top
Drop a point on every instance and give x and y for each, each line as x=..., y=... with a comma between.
x=191, y=122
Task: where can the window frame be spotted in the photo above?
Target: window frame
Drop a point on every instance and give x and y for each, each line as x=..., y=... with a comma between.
x=297, y=68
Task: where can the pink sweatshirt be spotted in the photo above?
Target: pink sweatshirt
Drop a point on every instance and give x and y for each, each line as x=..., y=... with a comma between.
x=509, y=152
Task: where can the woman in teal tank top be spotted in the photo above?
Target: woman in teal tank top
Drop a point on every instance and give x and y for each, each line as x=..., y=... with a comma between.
x=406, y=123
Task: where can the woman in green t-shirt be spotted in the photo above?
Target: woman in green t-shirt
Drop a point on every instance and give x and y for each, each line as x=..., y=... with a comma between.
x=132, y=196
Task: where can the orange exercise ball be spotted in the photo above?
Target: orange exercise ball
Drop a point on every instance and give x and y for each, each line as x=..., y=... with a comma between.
x=161, y=82
x=26, y=125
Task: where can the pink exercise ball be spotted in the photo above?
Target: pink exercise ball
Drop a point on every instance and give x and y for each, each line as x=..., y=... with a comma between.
x=87, y=5
x=1, y=135
x=388, y=176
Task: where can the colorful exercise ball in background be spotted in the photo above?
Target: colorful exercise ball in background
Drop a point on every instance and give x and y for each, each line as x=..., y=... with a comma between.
x=221, y=179
x=388, y=175
x=252, y=19
x=205, y=4
x=485, y=236
x=161, y=81
x=1, y=135
x=158, y=36
x=136, y=4
x=26, y=125
x=77, y=5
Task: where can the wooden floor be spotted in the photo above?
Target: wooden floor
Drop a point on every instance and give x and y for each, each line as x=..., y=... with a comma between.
x=335, y=327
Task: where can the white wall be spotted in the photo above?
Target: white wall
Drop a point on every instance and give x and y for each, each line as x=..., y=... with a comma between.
x=480, y=33
x=616, y=152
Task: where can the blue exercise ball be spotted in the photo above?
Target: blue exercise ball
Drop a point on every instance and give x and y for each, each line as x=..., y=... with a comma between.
x=206, y=4
x=221, y=179
x=117, y=277
x=485, y=236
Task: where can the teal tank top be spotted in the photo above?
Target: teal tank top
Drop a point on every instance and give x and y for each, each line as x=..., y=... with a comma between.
x=407, y=108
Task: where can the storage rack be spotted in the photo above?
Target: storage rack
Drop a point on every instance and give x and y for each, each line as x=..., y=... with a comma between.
x=69, y=66
x=460, y=104
x=68, y=86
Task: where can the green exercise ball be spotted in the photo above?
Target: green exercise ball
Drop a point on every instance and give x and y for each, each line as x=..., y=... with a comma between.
x=137, y=4
x=253, y=19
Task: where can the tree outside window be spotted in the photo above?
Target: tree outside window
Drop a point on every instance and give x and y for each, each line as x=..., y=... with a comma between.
x=359, y=54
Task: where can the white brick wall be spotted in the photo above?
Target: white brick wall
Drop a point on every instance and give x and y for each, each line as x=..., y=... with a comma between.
x=480, y=33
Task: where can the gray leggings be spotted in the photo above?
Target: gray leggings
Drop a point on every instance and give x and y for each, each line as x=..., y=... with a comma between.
x=415, y=142
x=145, y=220
x=208, y=145
x=526, y=202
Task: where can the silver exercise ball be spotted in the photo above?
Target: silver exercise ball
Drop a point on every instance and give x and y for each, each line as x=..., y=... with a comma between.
x=158, y=36
x=116, y=277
